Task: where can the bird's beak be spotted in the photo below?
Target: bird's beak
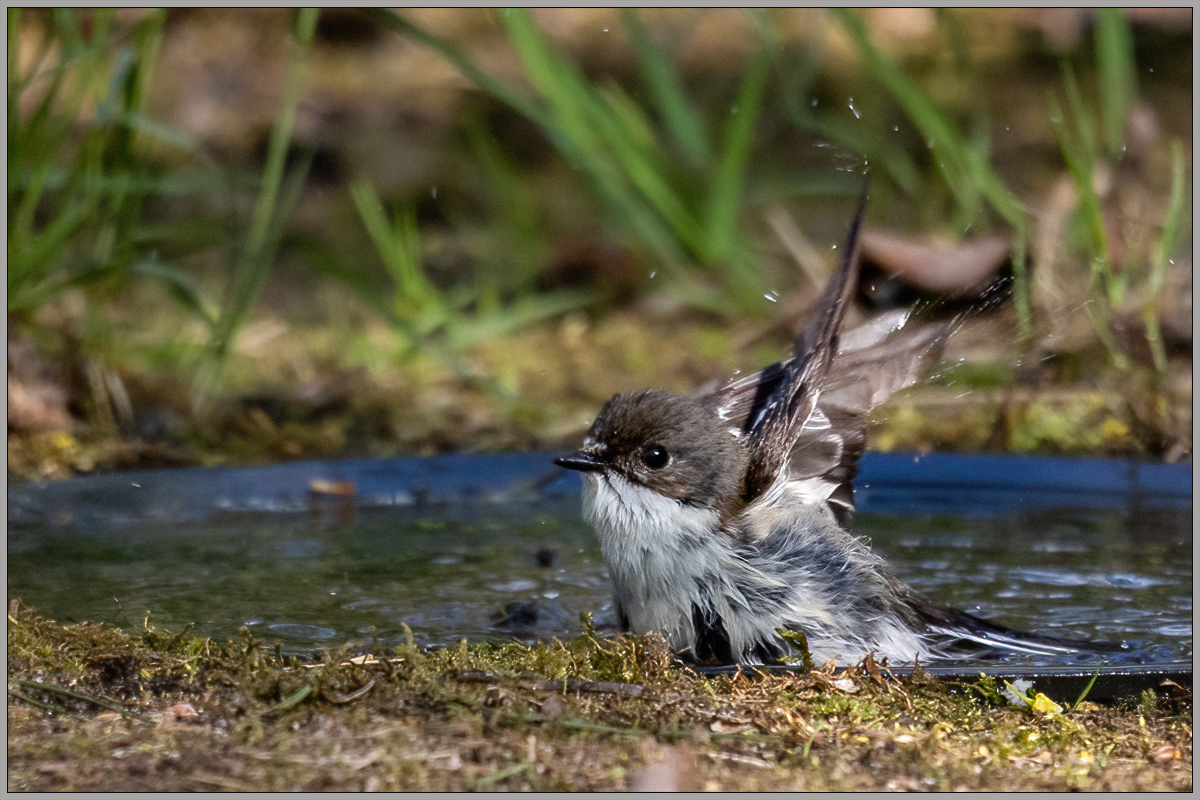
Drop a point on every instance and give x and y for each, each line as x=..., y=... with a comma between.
x=579, y=460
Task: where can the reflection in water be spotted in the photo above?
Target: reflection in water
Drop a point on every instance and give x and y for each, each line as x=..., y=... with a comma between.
x=528, y=569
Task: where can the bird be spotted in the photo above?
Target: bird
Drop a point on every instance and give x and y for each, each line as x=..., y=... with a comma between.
x=724, y=517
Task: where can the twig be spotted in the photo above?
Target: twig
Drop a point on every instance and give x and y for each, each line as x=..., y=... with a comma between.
x=48, y=706
x=291, y=701
x=343, y=699
x=87, y=698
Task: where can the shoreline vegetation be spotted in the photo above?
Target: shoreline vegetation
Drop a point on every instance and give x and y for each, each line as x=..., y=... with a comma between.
x=464, y=230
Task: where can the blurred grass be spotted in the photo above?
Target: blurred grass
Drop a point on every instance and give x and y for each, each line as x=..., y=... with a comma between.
x=672, y=171
x=1163, y=249
x=77, y=175
x=1092, y=142
x=463, y=315
x=964, y=162
x=678, y=192
x=278, y=193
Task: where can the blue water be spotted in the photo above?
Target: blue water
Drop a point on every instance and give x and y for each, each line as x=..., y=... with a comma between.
x=492, y=548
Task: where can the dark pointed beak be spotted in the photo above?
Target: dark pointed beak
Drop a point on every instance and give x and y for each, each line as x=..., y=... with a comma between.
x=584, y=462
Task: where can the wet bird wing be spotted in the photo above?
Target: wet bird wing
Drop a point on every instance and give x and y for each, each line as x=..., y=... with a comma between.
x=784, y=401
x=808, y=412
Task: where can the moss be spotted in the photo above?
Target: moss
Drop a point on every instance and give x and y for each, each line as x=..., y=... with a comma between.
x=94, y=709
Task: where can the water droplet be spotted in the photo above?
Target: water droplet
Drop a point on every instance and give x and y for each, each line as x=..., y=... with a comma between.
x=814, y=102
x=853, y=109
x=653, y=274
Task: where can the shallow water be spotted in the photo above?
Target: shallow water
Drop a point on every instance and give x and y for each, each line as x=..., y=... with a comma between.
x=490, y=565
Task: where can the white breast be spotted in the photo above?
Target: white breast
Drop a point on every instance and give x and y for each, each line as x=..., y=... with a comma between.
x=668, y=558
x=656, y=547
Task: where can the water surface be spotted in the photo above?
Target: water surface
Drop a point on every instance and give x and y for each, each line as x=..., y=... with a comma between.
x=502, y=553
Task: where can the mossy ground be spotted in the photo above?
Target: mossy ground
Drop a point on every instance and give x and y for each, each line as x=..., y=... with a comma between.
x=92, y=708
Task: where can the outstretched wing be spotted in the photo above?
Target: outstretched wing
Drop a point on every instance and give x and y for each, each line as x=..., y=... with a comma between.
x=784, y=402
x=873, y=361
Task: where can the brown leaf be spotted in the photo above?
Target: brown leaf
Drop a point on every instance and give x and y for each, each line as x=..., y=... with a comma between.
x=957, y=271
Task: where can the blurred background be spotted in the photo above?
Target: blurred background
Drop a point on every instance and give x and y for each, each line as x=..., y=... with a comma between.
x=241, y=236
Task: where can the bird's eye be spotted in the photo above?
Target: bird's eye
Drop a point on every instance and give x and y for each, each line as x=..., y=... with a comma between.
x=655, y=456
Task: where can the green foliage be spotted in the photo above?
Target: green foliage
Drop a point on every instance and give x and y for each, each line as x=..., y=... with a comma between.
x=671, y=177
x=462, y=314
x=78, y=173
x=1116, y=67
x=277, y=196
x=1176, y=208
x=962, y=160
x=1090, y=142
x=398, y=243
x=655, y=170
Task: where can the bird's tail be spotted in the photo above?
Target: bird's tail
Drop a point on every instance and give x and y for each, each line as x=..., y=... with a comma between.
x=957, y=634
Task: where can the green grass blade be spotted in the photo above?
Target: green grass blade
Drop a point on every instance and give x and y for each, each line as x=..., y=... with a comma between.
x=1116, y=66
x=560, y=82
x=940, y=135
x=1079, y=152
x=565, y=116
x=522, y=312
x=964, y=165
x=724, y=192
x=182, y=285
x=281, y=132
x=374, y=219
x=665, y=87
x=398, y=245
x=1085, y=124
x=626, y=130
x=1162, y=256
x=254, y=263
x=452, y=54
x=575, y=109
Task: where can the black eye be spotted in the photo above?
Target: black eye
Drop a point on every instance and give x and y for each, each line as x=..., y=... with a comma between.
x=655, y=456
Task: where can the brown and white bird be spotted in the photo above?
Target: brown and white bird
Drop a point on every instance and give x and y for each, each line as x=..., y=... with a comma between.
x=723, y=516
